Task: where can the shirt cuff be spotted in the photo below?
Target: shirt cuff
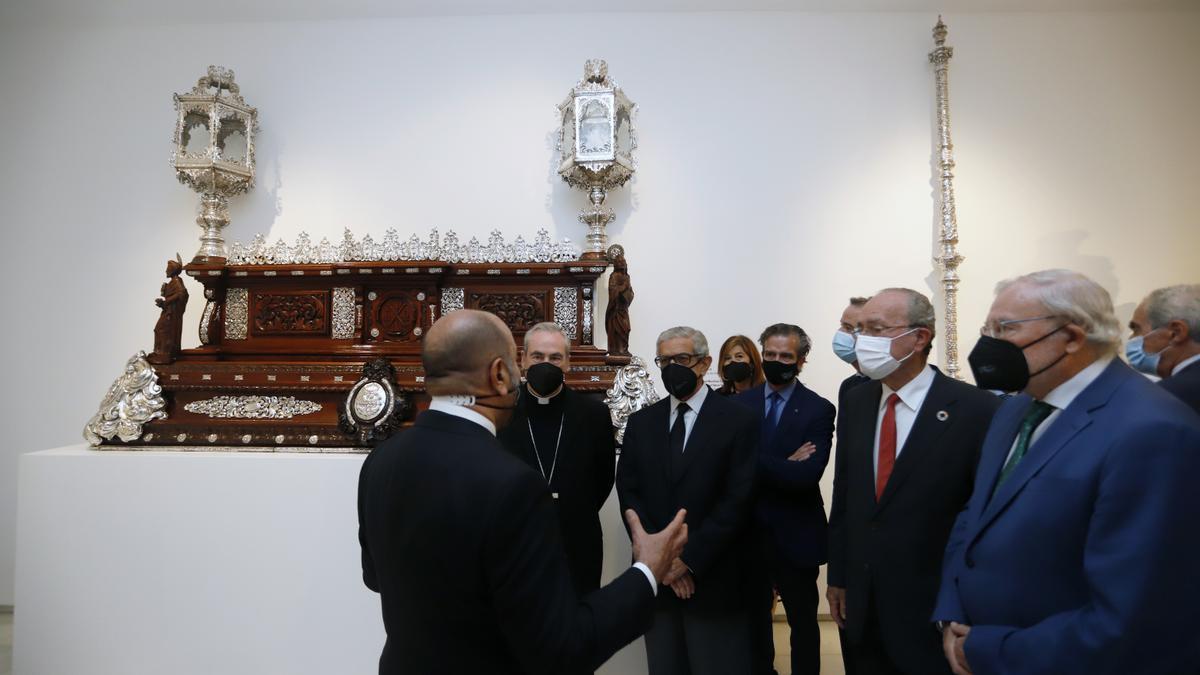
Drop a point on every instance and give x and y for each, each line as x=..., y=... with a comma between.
x=649, y=576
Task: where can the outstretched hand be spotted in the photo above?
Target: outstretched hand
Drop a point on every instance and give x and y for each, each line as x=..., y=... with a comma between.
x=657, y=551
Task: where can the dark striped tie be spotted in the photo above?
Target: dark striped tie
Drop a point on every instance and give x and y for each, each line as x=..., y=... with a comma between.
x=1037, y=413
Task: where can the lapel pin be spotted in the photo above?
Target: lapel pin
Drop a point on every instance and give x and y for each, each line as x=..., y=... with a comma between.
x=942, y=415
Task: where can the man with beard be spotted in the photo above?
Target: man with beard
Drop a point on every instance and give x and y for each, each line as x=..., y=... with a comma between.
x=568, y=439
x=460, y=538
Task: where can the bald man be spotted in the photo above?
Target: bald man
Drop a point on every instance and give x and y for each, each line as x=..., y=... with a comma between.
x=461, y=540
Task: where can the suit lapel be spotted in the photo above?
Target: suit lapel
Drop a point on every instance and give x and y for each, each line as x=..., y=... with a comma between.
x=932, y=420
x=788, y=417
x=1073, y=420
x=864, y=453
x=697, y=440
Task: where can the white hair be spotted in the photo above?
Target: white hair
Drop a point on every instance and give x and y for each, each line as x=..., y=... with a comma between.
x=1076, y=298
x=699, y=343
x=1175, y=302
x=546, y=327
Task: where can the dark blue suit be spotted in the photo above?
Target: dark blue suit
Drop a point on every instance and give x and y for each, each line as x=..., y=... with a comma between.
x=790, y=518
x=1085, y=561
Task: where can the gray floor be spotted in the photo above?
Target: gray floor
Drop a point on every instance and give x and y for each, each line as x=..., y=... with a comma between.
x=831, y=662
x=6, y=619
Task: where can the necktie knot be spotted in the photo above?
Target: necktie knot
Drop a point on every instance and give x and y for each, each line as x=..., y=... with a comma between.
x=1037, y=413
x=682, y=408
x=893, y=400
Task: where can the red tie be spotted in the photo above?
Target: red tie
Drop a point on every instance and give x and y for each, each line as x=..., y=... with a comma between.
x=887, y=446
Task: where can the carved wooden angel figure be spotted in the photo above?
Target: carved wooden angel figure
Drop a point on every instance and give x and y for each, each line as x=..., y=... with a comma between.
x=620, y=296
x=168, y=332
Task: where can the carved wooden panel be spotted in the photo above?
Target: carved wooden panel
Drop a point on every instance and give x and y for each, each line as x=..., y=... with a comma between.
x=519, y=310
x=396, y=316
x=291, y=313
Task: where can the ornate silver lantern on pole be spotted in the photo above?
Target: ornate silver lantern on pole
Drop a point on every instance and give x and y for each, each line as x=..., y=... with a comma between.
x=948, y=258
x=214, y=152
x=597, y=140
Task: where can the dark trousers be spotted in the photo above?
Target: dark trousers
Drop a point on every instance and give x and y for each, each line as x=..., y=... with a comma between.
x=798, y=589
x=683, y=642
x=869, y=655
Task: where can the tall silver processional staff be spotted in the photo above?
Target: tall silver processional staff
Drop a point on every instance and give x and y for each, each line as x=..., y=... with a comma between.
x=948, y=257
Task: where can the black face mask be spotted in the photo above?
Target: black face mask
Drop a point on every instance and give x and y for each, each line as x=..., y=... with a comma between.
x=778, y=372
x=679, y=380
x=544, y=378
x=736, y=371
x=1001, y=365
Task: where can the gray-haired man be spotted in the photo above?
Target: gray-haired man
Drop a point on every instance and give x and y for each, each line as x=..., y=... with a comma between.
x=696, y=451
x=1166, y=340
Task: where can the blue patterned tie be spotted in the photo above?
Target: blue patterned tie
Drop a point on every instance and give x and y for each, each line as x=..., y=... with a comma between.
x=772, y=420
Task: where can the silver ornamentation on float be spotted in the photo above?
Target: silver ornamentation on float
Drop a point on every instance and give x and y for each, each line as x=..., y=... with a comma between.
x=632, y=390
x=392, y=249
x=597, y=139
x=134, y=399
x=237, y=313
x=948, y=258
x=343, y=313
x=253, y=407
x=452, y=300
x=213, y=151
x=587, y=321
x=206, y=319
x=566, y=310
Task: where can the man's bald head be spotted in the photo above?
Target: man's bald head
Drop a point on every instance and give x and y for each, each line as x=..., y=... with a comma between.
x=460, y=347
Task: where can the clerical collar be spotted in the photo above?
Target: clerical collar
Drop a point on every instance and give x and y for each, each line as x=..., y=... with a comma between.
x=545, y=400
x=456, y=405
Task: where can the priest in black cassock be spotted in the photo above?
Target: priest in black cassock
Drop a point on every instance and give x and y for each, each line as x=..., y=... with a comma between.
x=567, y=437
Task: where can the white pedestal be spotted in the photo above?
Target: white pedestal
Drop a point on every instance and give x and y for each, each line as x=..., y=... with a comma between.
x=191, y=563
x=204, y=563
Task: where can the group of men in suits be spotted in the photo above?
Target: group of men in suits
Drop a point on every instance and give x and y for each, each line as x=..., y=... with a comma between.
x=1043, y=530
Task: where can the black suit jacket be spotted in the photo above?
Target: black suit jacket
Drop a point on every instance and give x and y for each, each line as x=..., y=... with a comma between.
x=713, y=479
x=849, y=383
x=788, y=504
x=890, y=552
x=461, y=541
x=1185, y=385
x=583, y=476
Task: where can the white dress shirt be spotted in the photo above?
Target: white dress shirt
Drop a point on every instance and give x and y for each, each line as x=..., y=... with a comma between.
x=912, y=396
x=444, y=404
x=1184, y=364
x=689, y=418
x=1062, y=396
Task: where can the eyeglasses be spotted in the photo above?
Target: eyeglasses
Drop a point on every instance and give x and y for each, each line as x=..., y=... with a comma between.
x=685, y=360
x=877, y=331
x=1000, y=329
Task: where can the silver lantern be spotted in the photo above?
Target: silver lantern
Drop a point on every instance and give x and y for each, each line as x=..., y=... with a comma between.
x=214, y=152
x=596, y=143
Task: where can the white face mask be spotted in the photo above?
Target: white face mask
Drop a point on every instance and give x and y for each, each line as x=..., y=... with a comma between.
x=875, y=355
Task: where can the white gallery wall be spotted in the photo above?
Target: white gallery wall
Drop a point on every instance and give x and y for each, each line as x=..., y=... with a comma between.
x=785, y=165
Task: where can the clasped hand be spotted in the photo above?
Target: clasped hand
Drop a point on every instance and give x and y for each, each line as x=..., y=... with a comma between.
x=954, y=637
x=660, y=551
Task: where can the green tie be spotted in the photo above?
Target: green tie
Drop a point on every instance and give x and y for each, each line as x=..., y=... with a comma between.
x=1037, y=413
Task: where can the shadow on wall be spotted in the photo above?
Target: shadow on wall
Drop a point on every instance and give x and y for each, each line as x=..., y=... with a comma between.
x=258, y=210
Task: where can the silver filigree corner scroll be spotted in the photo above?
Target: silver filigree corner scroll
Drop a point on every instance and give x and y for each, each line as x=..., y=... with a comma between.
x=134, y=399
x=632, y=390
